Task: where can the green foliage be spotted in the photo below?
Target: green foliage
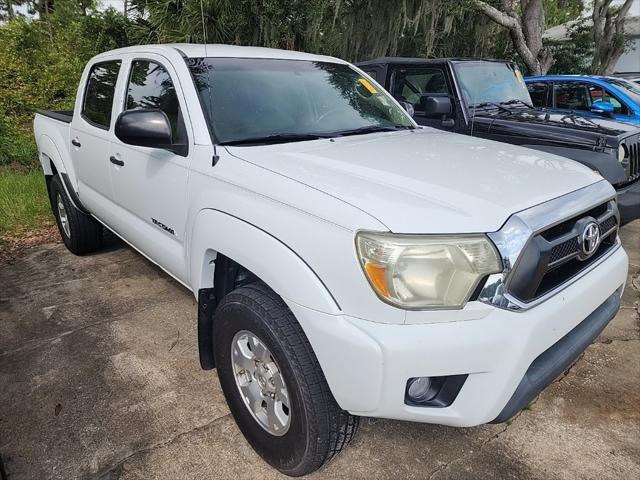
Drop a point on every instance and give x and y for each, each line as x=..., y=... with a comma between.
x=573, y=56
x=41, y=62
x=24, y=205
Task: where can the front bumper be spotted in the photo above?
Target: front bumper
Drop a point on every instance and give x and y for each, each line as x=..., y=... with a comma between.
x=367, y=364
x=629, y=202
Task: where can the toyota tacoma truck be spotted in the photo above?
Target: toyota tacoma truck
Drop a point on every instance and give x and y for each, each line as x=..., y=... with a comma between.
x=489, y=99
x=345, y=261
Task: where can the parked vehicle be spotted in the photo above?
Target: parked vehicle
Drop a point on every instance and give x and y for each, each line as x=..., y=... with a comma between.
x=489, y=99
x=588, y=95
x=631, y=76
x=346, y=263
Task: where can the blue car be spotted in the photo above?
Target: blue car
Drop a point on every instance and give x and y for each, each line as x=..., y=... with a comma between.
x=588, y=95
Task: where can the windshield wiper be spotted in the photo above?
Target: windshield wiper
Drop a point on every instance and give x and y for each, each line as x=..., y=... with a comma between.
x=276, y=138
x=515, y=101
x=490, y=104
x=371, y=129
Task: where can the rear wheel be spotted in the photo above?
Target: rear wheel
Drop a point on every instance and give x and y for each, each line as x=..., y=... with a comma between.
x=273, y=383
x=80, y=232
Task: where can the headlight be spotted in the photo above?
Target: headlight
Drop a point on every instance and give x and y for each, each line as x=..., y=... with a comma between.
x=622, y=152
x=423, y=272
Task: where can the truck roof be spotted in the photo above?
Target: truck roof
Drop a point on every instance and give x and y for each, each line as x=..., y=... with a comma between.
x=408, y=60
x=196, y=50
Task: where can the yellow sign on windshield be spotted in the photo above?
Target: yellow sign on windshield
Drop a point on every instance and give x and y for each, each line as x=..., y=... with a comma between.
x=519, y=75
x=365, y=83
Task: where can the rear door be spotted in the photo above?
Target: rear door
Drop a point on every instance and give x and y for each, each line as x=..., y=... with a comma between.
x=91, y=135
x=150, y=184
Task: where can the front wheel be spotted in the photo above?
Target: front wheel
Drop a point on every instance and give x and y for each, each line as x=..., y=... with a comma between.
x=273, y=383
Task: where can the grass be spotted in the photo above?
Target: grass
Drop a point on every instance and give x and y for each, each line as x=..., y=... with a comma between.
x=24, y=205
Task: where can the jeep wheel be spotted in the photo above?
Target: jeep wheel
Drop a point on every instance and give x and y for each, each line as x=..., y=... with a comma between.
x=80, y=232
x=273, y=383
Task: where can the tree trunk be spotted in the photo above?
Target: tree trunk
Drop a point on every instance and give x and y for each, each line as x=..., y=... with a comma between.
x=526, y=27
x=608, y=35
x=10, y=13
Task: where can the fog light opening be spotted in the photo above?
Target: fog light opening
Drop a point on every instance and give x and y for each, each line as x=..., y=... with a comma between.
x=436, y=392
x=421, y=389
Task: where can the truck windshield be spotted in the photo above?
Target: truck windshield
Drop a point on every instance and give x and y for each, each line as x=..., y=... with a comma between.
x=491, y=83
x=252, y=101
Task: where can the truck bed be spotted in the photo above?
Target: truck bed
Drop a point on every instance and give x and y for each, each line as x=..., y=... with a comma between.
x=61, y=115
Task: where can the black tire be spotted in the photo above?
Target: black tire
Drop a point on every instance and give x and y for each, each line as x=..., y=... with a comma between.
x=319, y=428
x=84, y=232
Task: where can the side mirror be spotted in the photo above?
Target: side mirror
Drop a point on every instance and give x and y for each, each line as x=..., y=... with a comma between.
x=408, y=106
x=436, y=106
x=146, y=128
x=603, y=108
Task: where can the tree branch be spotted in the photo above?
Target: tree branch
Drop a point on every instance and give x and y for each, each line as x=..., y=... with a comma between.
x=496, y=15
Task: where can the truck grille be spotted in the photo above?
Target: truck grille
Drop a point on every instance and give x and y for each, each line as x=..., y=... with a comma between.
x=632, y=159
x=555, y=255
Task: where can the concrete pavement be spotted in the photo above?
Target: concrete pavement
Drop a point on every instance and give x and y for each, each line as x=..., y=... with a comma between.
x=99, y=379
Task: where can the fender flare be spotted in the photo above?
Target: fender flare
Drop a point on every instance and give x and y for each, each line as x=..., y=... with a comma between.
x=267, y=257
x=49, y=151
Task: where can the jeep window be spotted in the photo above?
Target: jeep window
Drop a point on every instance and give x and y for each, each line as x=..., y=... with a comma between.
x=491, y=82
x=411, y=85
x=539, y=92
x=290, y=100
x=98, y=96
x=150, y=87
x=372, y=72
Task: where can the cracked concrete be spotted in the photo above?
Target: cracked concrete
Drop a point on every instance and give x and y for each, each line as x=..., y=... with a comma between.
x=99, y=379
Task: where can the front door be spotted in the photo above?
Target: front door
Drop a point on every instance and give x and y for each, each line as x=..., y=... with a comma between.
x=150, y=184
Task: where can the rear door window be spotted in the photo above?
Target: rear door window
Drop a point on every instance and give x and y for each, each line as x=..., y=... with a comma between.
x=98, y=97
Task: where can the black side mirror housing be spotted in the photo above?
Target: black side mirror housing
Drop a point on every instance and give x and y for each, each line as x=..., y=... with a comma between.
x=435, y=107
x=408, y=106
x=147, y=128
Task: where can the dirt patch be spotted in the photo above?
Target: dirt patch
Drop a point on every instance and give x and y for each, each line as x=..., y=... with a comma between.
x=12, y=247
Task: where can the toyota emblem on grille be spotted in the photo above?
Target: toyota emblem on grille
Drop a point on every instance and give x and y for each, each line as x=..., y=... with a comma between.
x=590, y=239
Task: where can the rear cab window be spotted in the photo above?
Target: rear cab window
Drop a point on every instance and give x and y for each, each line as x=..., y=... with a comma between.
x=97, y=104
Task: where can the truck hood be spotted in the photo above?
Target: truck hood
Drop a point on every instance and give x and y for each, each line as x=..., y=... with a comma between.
x=425, y=180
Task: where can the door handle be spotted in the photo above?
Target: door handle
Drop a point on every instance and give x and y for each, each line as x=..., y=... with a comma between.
x=115, y=161
x=76, y=143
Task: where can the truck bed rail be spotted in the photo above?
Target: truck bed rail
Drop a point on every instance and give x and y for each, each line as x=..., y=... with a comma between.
x=61, y=115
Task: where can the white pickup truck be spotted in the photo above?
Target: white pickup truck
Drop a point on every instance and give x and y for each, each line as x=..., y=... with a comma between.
x=346, y=262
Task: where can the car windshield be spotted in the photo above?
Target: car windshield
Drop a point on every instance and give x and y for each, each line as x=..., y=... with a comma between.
x=271, y=100
x=491, y=83
x=630, y=88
